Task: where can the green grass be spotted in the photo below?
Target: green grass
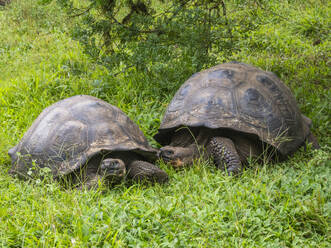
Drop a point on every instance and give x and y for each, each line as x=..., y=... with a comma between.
x=272, y=205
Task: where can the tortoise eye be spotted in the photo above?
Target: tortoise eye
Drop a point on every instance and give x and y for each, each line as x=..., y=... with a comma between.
x=166, y=152
x=169, y=152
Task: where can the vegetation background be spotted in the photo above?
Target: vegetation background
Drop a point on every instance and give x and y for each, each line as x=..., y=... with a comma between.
x=50, y=50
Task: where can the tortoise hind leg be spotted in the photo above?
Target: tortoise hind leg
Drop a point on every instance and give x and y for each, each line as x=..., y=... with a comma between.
x=224, y=154
x=143, y=171
x=311, y=138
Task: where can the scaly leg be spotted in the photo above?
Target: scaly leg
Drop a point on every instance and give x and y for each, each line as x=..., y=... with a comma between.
x=143, y=171
x=224, y=154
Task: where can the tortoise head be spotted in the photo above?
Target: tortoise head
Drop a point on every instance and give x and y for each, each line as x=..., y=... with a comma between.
x=112, y=168
x=178, y=156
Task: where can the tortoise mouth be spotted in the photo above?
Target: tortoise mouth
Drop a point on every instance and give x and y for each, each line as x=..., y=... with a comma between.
x=166, y=155
x=175, y=162
x=166, y=159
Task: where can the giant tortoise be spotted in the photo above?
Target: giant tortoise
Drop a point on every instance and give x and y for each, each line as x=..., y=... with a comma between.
x=88, y=139
x=234, y=111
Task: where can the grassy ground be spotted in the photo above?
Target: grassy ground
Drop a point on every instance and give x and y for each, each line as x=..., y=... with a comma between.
x=274, y=205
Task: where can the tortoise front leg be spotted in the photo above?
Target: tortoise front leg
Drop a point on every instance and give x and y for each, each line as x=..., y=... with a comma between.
x=143, y=171
x=224, y=154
